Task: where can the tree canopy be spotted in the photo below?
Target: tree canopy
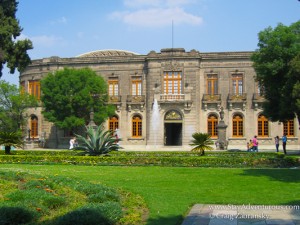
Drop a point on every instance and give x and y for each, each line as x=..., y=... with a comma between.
x=12, y=51
x=13, y=105
x=276, y=63
x=68, y=96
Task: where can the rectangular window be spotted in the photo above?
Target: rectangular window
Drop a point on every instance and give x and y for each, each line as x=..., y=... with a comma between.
x=137, y=126
x=136, y=86
x=288, y=128
x=113, y=88
x=263, y=126
x=237, y=84
x=172, y=82
x=212, y=84
x=237, y=126
x=34, y=88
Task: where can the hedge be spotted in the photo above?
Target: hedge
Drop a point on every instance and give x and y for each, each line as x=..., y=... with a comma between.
x=185, y=159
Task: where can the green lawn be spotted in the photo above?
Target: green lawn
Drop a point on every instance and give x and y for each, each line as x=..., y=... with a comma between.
x=170, y=191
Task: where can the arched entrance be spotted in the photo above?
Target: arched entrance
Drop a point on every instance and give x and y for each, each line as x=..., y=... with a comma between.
x=173, y=128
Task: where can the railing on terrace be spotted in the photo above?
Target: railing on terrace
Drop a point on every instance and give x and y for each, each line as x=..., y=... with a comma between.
x=172, y=97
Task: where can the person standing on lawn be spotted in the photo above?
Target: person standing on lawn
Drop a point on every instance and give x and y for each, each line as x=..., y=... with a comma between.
x=277, y=143
x=255, y=144
x=284, y=140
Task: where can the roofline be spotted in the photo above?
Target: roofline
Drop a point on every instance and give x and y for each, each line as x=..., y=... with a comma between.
x=106, y=50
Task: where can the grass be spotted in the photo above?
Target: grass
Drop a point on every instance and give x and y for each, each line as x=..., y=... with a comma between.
x=170, y=191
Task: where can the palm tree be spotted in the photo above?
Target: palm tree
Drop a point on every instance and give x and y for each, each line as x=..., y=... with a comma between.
x=98, y=141
x=11, y=139
x=201, y=142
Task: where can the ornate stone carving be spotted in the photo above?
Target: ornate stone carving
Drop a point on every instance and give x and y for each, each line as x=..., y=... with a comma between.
x=173, y=115
x=171, y=65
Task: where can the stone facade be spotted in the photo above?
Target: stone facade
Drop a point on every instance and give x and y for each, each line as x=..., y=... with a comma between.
x=203, y=82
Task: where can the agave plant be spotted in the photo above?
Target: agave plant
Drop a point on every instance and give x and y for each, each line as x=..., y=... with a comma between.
x=201, y=142
x=98, y=141
x=11, y=139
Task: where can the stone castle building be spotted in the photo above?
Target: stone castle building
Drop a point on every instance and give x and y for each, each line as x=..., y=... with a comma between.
x=162, y=98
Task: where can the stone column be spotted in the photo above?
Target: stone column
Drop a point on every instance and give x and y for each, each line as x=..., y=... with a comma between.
x=222, y=131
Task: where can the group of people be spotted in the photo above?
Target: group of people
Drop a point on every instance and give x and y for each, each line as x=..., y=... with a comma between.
x=252, y=145
x=284, y=140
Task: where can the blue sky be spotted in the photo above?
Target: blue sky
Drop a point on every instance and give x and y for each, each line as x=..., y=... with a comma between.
x=69, y=28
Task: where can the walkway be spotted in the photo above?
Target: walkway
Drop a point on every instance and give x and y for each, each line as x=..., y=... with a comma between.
x=201, y=214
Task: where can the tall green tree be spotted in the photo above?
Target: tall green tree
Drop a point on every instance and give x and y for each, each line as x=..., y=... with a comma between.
x=276, y=73
x=13, y=105
x=69, y=95
x=12, y=51
x=295, y=72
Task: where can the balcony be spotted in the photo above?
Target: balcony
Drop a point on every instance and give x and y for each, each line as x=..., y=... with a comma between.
x=184, y=99
x=115, y=100
x=257, y=100
x=135, y=102
x=211, y=101
x=237, y=100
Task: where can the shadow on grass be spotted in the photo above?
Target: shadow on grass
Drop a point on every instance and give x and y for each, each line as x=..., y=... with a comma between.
x=172, y=220
x=284, y=175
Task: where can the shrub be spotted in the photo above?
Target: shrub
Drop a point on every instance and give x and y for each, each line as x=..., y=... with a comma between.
x=96, y=214
x=98, y=142
x=15, y=215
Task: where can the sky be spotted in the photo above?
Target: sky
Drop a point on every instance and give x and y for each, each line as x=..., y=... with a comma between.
x=69, y=28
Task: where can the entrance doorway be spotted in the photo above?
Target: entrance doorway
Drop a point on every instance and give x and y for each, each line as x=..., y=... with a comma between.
x=173, y=134
x=173, y=128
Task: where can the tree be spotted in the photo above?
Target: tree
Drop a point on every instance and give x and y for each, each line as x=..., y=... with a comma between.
x=201, y=142
x=68, y=96
x=295, y=72
x=9, y=139
x=12, y=51
x=98, y=141
x=13, y=105
x=275, y=65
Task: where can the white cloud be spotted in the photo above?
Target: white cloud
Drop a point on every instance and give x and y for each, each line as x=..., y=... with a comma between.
x=157, y=17
x=156, y=3
x=45, y=41
x=22, y=37
x=62, y=20
x=142, y=3
x=156, y=13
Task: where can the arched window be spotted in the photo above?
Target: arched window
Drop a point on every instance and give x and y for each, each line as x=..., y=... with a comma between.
x=288, y=128
x=34, y=124
x=237, y=126
x=113, y=123
x=262, y=126
x=137, y=126
x=212, y=122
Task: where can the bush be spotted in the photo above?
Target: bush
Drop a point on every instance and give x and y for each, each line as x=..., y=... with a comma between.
x=98, y=214
x=15, y=215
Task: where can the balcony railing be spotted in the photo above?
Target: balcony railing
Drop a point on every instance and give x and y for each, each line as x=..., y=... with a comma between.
x=258, y=97
x=135, y=98
x=175, y=98
x=237, y=97
x=114, y=98
x=172, y=97
x=211, y=98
